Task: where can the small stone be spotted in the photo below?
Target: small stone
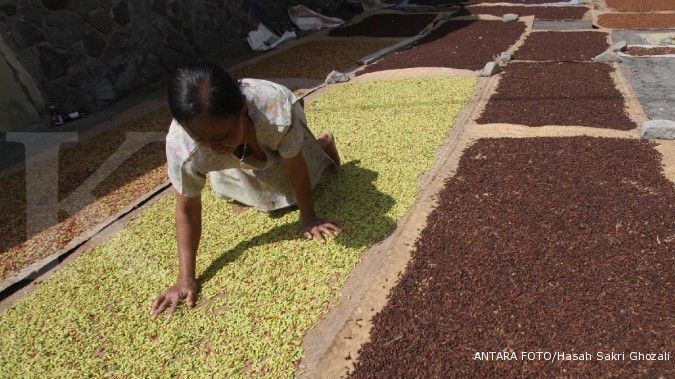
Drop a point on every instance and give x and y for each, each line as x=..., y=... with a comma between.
x=26, y=34
x=151, y=68
x=505, y=56
x=607, y=56
x=101, y=21
x=176, y=23
x=176, y=41
x=658, y=129
x=93, y=44
x=337, y=77
x=175, y=8
x=58, y=91
x=64, y=28
x=33, y=12
x=128, y=78
x=52, y=62
x=117, y=44
x=510, y=17
x=169, y=58
x=105, y=91
x=9, y=9
x=159, y=7
x=619, y=46
x=82, y=7
x=490, y=69
x=96, y=69
x=122, y=14
x=55, y=4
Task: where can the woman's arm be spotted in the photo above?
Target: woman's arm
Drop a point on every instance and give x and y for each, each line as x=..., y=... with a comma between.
x=312, y=226
x=188, y=230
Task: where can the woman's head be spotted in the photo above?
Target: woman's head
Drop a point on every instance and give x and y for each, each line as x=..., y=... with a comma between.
x=208, y=103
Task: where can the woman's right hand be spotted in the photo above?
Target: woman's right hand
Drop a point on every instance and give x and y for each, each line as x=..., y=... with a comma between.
x=184, y=290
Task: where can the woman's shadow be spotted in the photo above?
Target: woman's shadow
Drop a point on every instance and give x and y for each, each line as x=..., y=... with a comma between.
x=349, y=196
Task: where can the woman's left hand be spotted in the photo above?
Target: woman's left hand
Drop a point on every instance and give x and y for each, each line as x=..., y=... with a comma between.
x=320, y=229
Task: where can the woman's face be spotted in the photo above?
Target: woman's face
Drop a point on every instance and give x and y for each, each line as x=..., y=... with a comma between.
x=220, y=135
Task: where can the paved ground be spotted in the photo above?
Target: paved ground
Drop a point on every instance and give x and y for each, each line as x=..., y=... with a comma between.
x=562, y=25
x=653, y=81
x=641, y=37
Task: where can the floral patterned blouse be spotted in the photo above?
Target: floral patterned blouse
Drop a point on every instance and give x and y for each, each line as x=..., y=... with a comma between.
x=281, y=130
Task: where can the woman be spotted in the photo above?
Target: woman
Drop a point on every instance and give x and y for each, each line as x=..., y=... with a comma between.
x=251, y=137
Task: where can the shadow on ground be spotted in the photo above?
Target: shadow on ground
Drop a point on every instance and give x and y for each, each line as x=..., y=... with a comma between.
x=349, y=196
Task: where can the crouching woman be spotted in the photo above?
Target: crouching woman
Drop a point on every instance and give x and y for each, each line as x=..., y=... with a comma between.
x=252, y=139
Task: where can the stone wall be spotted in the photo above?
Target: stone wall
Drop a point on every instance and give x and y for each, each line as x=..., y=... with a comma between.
x=88, y=53
x=19, y=96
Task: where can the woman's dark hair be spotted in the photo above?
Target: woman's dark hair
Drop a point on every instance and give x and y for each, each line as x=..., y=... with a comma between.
x=203, y=89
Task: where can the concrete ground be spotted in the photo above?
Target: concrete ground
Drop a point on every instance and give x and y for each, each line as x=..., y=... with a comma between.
x=562, y=25
x=641, y=37
x=653, y=80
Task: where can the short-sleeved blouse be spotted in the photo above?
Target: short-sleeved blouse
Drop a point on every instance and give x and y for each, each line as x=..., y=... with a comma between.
x=281, y=131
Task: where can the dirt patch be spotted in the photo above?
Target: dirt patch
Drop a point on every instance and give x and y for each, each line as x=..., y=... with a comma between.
x=562, y=46
x=641, y=5
x=456, y=44
x=313, y=60
x=539, y=13
x=545, y=244
x=667, y=150
x=538, y=94
x=520, y=131
x=386, y=25
x=637, y=20
x=644, y=51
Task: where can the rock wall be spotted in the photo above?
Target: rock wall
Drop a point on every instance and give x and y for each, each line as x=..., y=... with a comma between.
x=88, y=53
x=17, y=110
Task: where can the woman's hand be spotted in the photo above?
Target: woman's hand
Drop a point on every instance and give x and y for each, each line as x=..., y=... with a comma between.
x=312, y=226
x=184, y=289
x=320, y=229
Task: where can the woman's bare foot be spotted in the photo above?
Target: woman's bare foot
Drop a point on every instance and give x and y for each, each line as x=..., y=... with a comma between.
x=327, y=142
